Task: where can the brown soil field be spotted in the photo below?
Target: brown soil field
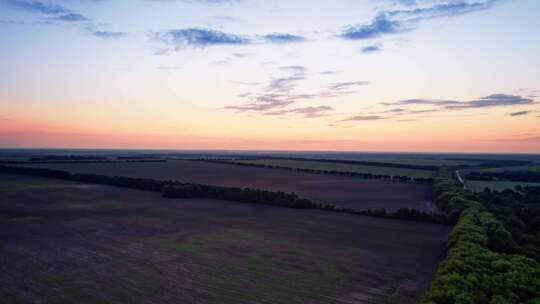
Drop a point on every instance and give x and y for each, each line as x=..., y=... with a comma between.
x=63, y=242
x=349, y=192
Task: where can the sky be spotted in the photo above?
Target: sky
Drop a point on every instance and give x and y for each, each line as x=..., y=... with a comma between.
x=349, y=75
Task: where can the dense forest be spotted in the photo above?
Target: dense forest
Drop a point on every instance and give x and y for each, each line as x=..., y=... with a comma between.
x=513, y=176
x=519, y=211
x=482, y=265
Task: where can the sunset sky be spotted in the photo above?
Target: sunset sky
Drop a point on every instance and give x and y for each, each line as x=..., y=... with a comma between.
x=355, y=75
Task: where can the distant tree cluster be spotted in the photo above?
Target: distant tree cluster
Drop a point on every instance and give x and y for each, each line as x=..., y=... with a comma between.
x=175, y=189
x=481, y=265
x=397, y=178
x=514, y=176
x=519, y=211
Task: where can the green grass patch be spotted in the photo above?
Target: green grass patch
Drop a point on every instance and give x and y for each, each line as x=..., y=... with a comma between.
x=258, y=266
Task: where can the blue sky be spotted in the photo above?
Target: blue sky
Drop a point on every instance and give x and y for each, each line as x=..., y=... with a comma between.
x=246, y=73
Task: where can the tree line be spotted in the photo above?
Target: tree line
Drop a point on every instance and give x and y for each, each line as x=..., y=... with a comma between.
x=514, y=176
x=396, y=178
x=359, y=162
x=175, y=189
x=481, y=264
x=80, y=161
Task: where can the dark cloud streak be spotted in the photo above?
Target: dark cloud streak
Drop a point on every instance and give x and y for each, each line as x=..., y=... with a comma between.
x=399, y=21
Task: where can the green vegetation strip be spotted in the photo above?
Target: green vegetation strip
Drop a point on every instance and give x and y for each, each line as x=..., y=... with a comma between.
x=174, y=189
x=479, y=267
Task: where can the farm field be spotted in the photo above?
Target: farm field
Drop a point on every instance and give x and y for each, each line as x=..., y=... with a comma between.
x=478, y=186
x=315, y=165
x=532, y=168
x=348, y=192
x=395, y=158
x=64, y=242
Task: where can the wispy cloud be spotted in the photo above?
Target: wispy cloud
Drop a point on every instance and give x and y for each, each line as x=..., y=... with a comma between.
x=262, y=103
x=281, y=92
x=71, y=17
x=307, y=112
x=347, y=85
x=371, y=49
x=329, y=72
x=198, y=37
x=108, y=34
x=432, y=102
x=53, y=11
x=519, y=113
x=288, y=82
x=203, y=37
x=381, y=25
x=493, y=100
x=402, y=20
x=365, y=118
x=406, y=110
x=247, y=83
x=283, y=38
x=56, y=14
x=37, y=7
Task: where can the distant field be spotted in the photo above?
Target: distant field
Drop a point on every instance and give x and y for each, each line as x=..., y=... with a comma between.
x=404, y=158
x=63, y=242
x=341, y=191
x=315, y=165
x=412, y=161
x=478, y=186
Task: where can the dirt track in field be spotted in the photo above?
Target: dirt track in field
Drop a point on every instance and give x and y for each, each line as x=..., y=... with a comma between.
x=343, y=191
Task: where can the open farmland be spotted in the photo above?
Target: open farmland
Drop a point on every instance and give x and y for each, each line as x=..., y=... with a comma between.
x=348, y=192
x=393, y=158
x=317, y=165
x=63, y=242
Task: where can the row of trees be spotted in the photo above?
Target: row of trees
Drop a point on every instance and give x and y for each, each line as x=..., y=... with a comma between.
x=514, y=176
x=243, y=195
x=79, y=161
x=174, y=189
x=480, y=266
x=359, y=162
x=291, y=200
x=397, y=178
